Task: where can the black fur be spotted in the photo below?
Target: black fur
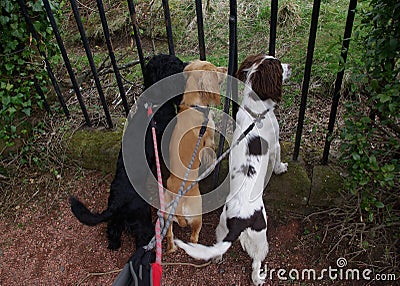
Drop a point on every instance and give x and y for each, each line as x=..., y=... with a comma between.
x=247, y=170
x=127, y=210
x=257, y=146
x=160, y=67
x=237, y=225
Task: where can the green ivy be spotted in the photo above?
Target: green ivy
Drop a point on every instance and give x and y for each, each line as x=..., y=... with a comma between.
x=371, y=134
x=20, y=63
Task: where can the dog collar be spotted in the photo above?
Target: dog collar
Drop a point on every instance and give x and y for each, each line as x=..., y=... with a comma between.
x=203, y=109
x=257, y=116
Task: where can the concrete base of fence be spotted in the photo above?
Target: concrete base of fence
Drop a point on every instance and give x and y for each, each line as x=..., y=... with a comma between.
x=327, y=181
x=289, y=190
x=95, y=149
x=294, y=190
x=299, y=192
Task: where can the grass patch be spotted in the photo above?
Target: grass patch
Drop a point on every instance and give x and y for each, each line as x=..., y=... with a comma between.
x=294, y=18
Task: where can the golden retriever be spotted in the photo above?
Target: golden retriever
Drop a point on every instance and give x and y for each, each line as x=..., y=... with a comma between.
x=202, y=90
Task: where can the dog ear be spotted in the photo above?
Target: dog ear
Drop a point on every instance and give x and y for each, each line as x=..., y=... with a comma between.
x=245, y=66
x=241, y=73
x=222, y=72
x=190, y=66
x=208, y=82
x=267, y=81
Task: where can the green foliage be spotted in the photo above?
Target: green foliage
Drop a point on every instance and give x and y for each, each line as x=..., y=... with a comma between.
x=371, y=133
x=382, y=44
x=20, y=63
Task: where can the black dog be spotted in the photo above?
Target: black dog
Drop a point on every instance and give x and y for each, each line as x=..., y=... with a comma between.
x=127, y=210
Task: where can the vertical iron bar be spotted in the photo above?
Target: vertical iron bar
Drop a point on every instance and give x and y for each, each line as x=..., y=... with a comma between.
x=112, y=55
x=200, y=30
x=31, y=28
x=91, y=62
x=272, y=29
x=168, y=27
x=66, y=61
x=230, y=86
x=307, y=75
x=235, y=98
x=339, y=78
x=41, y=94
x=136, y=34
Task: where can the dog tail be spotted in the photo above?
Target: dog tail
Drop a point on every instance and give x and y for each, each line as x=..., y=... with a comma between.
x=203, y=252
x=85, y=216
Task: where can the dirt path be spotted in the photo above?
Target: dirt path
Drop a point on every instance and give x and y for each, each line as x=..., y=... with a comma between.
x=50, y=247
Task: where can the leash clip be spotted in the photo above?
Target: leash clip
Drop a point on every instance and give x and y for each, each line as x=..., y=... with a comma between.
x=149, y=107
x=258, y=122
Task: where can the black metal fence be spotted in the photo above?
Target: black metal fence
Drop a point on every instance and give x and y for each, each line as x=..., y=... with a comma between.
x=232, y=64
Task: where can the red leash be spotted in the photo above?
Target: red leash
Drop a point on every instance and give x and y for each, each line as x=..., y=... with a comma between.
x=156, y=267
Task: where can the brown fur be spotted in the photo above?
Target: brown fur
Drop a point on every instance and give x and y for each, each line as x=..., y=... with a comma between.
x=202, y=88
x=267, y=83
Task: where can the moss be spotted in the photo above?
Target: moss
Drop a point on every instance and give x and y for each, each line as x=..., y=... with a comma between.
x=95, y=149
x=289, y=190
x=326, y=184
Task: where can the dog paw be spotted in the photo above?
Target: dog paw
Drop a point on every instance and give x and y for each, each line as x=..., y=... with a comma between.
x=255, y=277
x=171, y=249
x=281, y=168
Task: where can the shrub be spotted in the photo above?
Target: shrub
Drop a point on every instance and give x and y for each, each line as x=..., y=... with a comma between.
x=20, y=64
x=371, y=134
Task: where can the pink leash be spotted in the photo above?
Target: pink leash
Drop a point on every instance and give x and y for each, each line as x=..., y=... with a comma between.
x=162, y=204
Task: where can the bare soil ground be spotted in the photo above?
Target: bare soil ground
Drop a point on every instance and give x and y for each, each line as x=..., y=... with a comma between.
x=44, y=244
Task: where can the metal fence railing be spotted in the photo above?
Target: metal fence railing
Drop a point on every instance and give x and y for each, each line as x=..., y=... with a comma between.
x=232, y=64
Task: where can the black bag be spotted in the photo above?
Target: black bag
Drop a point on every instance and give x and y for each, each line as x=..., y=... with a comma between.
x=138, y=270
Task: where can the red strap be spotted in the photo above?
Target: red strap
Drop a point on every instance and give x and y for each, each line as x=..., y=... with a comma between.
x=156, y=272
x=149, y=110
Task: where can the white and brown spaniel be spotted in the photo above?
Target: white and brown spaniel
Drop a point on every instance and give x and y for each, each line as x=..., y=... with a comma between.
x=251, y=164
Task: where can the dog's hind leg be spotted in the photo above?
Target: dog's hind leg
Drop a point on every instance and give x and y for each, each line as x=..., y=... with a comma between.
x=181, y=220
x=195, y=224
x=255, y=274
x=142, y=229
x=171, y=247
x=192, y=210
x=256, y=245
x=279, y=167
x=114, y=232
x=221, y=231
